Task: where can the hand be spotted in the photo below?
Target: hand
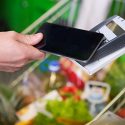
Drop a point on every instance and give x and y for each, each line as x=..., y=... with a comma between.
x=16, y=50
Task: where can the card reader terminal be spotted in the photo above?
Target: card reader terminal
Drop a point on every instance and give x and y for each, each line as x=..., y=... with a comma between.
x=112, y=29
x=112, y=47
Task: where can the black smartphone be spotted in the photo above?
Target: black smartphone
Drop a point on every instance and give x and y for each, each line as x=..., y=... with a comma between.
x=69, y=42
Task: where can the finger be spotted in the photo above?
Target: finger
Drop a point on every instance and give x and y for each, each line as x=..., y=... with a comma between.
x=8, y=69
x=34, y=54
x=29, y=39
x=14, y=64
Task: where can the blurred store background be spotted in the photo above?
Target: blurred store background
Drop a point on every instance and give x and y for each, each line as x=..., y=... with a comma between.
x=56, y=91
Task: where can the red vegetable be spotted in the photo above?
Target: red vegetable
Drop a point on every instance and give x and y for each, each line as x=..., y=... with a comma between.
x=121, y=113
x=69, y=91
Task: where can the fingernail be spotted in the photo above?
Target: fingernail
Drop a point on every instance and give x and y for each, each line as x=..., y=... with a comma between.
x=38, y=36
x=42, y=56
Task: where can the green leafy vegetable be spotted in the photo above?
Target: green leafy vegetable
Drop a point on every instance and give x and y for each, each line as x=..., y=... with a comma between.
x=116, y=78
x=70, y=109
x=41, y=119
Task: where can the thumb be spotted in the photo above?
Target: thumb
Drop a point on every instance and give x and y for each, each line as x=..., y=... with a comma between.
x=29, y=39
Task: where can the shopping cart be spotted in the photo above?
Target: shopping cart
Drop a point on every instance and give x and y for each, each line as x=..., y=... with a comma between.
x=64, y=12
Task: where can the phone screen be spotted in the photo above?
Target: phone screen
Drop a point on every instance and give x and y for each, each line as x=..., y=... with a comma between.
x=70, y=42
